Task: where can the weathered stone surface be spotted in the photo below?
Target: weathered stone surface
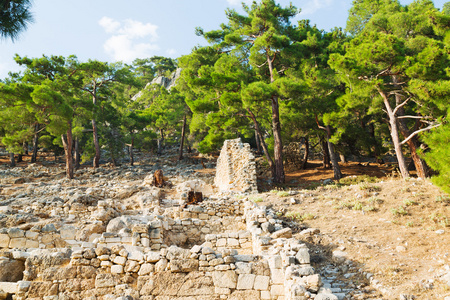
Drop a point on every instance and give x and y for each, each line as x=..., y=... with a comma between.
x=225, y=279
x=184, y=265
x=245, y=281
x=4, y=240
x=197, y=284
x=283, y=233
x=146, y=269
x=302, y=256
x=261, y=283
x=245, y=295
x=236, y=169
x=105, y=280
x=11, y=270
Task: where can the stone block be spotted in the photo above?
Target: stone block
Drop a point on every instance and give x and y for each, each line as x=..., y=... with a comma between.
x=16, y=232
x=31, y=244
x=221, y=242
x=245, y=281
x=105, y=280
x=277, y=276
x=222, y=291
x=4, y=240
x=277, y=290
x=18, y=242
x=261, y=283
x=68, y=232
x=302, y=256
x=8, y=287
x=275, y=262
x=265, y=295
x=225, y=279
x=31, y=235
x=233, y=242
x=146, y=269
x=120, y=260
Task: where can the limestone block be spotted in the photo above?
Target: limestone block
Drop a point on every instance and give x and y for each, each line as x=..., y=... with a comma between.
x=161, y=265
x=106, y=264
x=20, y=255
x=145, y=242
x=136, y=255
x=275, y=262
x=131, y=266
x=8, y=287
x=245, y=281
x=261, y=283
x=22, y=286
x=16, y=232
x=225, y=279
x=18, y=242
x=277, y=276
x=277, y=290
x=31, y=244
x=221, y=242
x=120, y=260
x=303, y=256
x=232, y=242
x=222, y=291
x=243, y=268
x=31, y=235
x=146, y=269
x=283, y=233
x=105, y=280
x=116, y=269
x=184, y=265
x=265, y=295
x=4, y=240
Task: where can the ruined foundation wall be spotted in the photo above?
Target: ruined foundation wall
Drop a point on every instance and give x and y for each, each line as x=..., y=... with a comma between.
x=260, y=261
x=236, y=168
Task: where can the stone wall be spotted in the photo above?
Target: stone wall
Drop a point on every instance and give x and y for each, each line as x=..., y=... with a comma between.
x=258, y=260
x=236, y=169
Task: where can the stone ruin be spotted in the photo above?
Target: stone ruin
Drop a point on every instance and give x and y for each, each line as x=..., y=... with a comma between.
x=236, y=168
x=126, y=239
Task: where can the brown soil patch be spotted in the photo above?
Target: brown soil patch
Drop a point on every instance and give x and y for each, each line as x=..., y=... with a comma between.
x=398, y=230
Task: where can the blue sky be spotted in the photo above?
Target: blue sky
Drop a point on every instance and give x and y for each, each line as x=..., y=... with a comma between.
x=112, y=30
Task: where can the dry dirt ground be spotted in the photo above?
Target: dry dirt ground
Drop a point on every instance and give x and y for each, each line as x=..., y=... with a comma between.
x=396, y=230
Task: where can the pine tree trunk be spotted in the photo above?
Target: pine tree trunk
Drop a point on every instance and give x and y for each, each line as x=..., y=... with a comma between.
x=326, y=154
x=77, y=154
x=160, y=142
x=96, y=162
x=258, y=143
x=413, y=143
x=333, y=156
x=183, y=134
x=12, y=162
x=35, y=143
x=67, y=141
x=131, y=151
x=276, y=129
x=395, y=136
x=25, y=148
x=278, y=144
x=263, y=143
x=342, y=158
x=19, y=158
x=306, y=154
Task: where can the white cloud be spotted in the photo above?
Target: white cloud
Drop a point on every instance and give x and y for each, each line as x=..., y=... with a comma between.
x=312, y=6
x=130, y=39
x=109, y=24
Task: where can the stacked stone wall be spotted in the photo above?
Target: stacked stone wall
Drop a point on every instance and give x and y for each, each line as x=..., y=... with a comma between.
x=236, y=168
x=259, y=259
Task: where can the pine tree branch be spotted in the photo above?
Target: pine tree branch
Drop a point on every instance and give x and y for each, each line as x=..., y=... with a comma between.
x=401, y=105
x=417, y=132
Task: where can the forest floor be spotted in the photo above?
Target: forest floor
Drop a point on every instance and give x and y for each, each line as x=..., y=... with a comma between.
x=395, y=231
